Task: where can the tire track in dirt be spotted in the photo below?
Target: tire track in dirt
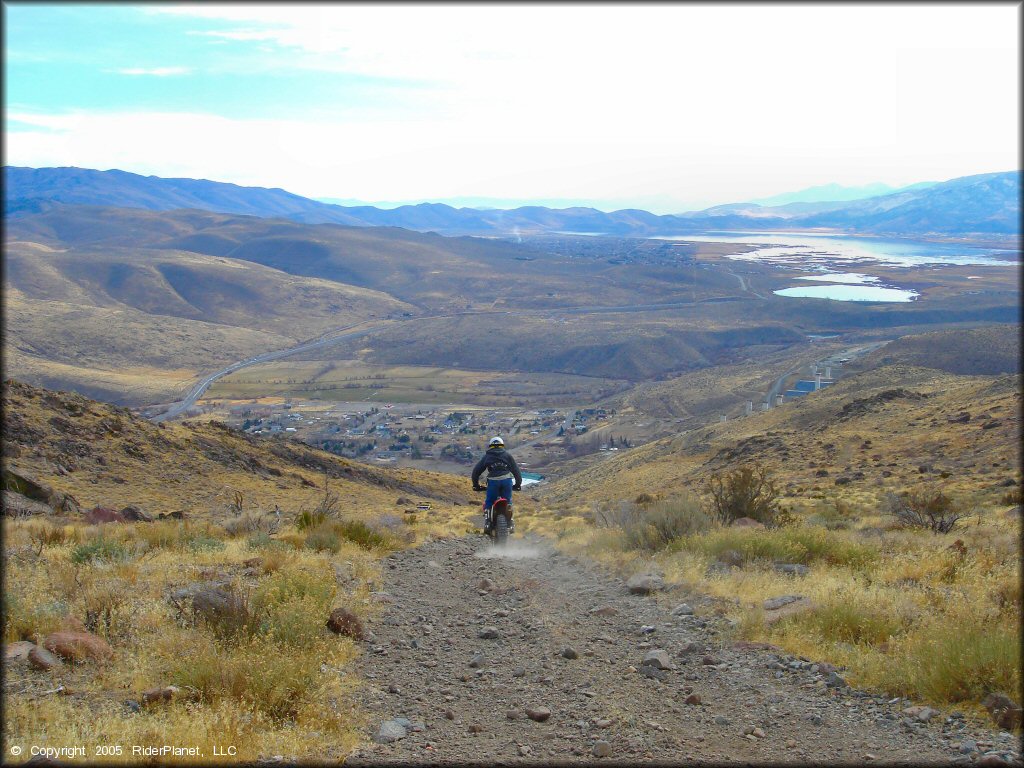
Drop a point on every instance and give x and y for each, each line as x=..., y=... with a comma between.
x=428, y=663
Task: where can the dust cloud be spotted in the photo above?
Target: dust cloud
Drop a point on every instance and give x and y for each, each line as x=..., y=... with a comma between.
x=512, y=550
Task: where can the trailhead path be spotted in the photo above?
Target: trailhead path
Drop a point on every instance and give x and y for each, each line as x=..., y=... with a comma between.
x=470, y=639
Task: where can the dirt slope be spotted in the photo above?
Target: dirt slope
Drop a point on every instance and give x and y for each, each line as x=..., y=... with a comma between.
x=419, y=665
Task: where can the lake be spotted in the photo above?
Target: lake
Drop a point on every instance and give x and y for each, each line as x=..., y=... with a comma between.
x=810, y=250
x=841, y=292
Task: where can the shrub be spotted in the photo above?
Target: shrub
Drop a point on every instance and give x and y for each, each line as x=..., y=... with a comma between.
x=307, y=519
x=844, y=620
x=662, y=523
x=362, y=535
x=790, y=545
x=1012, y=497
x=957, y=662
x=49, y=535
x=293, y=604
x=925, y=509
x=246, y=523
x=99, y=549
x=748, y=491
x=203, y=543
x=323, y=538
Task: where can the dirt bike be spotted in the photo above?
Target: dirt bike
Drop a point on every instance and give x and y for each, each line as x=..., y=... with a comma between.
x=498, y=522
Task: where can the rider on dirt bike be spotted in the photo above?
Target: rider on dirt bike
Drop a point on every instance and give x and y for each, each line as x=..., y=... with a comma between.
x=501, y=471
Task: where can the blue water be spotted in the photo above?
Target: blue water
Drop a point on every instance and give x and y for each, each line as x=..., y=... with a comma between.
x=849, y=293
x=810, y=249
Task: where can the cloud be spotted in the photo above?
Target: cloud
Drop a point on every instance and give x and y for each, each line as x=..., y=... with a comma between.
x=154, y=71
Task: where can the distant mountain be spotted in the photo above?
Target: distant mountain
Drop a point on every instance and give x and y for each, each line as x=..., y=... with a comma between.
x=986, y=204
x=835, y=193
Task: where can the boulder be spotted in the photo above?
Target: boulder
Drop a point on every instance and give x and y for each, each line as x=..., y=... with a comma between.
x=32, y=489
x=220, y=609
x=658, y=659
x=133, y=514
x=157, y=695
x=42, y=659
x=98, y=515
x=644, y=584
x=17, y=505
x=1005, y=712
x=343, y=622
x=78, y=646
x=538, y=714
x=390, y=731
x=788, y=609
x=774, y=603
x=18, y=650
x=682, y=610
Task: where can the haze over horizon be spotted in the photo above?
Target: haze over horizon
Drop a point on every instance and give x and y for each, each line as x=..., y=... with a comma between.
x=664, y=108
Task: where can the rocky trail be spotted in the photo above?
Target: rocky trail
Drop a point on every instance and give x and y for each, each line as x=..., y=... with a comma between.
x=526, y=655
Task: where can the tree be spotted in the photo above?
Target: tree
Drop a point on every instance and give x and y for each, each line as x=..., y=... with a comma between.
x=748, y=491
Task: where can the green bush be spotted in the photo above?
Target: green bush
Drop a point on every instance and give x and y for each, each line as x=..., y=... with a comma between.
x=792, y=544
x=362, y=535
x=660, y=524
x=99, y=549
x=323, y=539
x=293, y=604
x=307, y=519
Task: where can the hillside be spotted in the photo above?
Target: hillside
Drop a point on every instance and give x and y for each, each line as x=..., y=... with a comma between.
x=103, y=455
x=986, y=204
x=984, y=351
x=890, y=428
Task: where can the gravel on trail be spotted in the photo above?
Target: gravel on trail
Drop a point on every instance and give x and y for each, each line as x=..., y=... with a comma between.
x=526, y=655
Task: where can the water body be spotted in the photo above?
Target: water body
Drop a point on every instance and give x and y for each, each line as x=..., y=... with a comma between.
x=531, y=478
x=822, y=250
x=849, y=293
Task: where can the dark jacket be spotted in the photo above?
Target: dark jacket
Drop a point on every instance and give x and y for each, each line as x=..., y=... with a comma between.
x=497, y=462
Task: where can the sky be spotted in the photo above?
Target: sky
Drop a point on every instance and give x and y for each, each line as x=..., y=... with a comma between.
x=667, y=107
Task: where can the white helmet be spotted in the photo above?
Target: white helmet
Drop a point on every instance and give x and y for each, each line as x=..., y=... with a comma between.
x=495, y=441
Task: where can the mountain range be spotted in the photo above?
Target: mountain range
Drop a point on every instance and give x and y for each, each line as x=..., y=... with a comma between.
x=984, y=204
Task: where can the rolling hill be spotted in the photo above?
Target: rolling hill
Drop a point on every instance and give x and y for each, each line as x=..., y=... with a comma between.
x=983, y=204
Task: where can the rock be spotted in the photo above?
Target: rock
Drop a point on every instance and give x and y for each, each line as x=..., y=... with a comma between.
x=475, y=728
x=30, y=490
x=132, y=706
x=449, y=714
x=402, y=501
x=693, y=698
x=513, y=714
x=654, y=673
x=78, y=646
x=538, y=714
x=99, y=515
x=157, y=695
x=18, y=650
x=797, y=606
x=710, y=661
x=343, y=622
x=967, y=747
x=488, y=633
x=748, y=522
x=220, y=609
x=524, y=750
x=477, y=661
x=133, y=514
x=835, y=681
x=1005, y=712
x=682, y=610
x=644, y=584
x=486, y=585
x=602, y=749
x=603, y=722
x=757, y=733
x=774, y=603
x=605, y=610
x=569, y=653
x=721, y=720
x=519, y=672
x=657, y=658
x=42, y=659
x=390, y=731
x=792, y=569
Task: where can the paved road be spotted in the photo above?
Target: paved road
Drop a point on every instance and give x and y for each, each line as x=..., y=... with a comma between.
x=197, y=391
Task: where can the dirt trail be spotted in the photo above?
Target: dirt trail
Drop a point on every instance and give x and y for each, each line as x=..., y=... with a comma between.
x=419, y=665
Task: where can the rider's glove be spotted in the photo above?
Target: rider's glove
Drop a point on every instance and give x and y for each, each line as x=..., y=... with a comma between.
x=478, y=487
x=517, y=487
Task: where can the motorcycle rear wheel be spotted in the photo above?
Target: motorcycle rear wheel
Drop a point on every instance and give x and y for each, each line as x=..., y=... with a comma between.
x=500, y=529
